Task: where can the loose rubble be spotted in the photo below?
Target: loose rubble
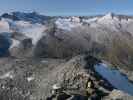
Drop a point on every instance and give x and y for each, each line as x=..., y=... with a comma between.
x=57, y=79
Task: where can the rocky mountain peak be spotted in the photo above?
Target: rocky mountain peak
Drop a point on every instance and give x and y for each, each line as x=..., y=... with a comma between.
x=109, y=15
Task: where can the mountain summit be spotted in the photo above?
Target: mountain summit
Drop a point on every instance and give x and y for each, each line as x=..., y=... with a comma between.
x=109, y=15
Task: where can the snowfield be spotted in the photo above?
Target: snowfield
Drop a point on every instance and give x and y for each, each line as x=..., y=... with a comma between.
x=4, y=26
x=33, y=31
x=67, y=24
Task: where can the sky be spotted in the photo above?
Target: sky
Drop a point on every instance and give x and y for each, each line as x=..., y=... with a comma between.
x=68, y=7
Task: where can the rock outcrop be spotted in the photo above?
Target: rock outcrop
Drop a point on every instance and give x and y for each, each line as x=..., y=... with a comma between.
x=78, y=80
x=118, y=95
x=52, y=79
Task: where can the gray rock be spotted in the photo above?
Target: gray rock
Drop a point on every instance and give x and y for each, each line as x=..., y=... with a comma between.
x=118, y=95
x=129, y=73
x=23, y=49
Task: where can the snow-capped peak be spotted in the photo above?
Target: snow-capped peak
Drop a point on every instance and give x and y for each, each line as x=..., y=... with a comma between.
x=109, y=15
x=66, y=24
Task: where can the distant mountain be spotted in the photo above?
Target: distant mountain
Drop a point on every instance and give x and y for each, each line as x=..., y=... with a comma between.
x=108, y=36
x=73, y=57
x=33, y=17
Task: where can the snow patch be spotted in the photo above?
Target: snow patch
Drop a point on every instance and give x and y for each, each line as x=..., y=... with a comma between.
x=9, y=74
x=67, y=24
x=15, y=43
x=56, y=86
x=90, y=20
x=33, y=31
x=30, y=78
x=4, y=26
x=44, y=61
x=75, y=19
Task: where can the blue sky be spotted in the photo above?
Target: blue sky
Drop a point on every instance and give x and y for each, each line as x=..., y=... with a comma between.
x=68, y=7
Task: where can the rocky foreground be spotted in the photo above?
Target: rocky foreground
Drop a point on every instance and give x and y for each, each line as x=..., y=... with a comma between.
x=55, y=79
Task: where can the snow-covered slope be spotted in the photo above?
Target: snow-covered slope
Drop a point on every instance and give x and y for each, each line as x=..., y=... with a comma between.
x=28, y=25
x=68, y=23
x=112, y=22
x=22, y=24
x=4, y=26
x=33, y=31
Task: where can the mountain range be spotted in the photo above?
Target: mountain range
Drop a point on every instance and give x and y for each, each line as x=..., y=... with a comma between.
x=107, y=36
x=40, y=51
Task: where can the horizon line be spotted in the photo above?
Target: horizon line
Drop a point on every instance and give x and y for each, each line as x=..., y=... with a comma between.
x=68, y=13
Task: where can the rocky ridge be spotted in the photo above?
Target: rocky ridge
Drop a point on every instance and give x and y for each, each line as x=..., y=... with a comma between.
x=53, y=79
